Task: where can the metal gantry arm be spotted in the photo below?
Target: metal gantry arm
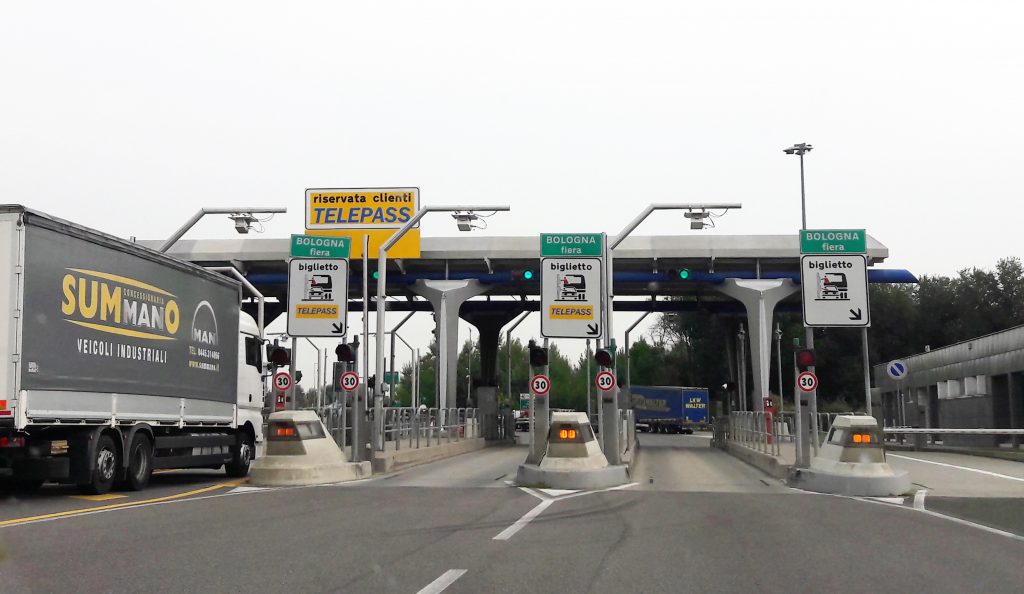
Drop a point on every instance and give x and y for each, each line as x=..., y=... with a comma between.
x=173, y=239
x=508, y=349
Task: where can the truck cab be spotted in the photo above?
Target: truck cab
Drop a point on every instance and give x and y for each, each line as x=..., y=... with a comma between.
x=249, y=413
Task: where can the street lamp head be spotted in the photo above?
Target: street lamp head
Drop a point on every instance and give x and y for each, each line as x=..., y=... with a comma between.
x=243, y=221
x=466, y=220
x=798, y=149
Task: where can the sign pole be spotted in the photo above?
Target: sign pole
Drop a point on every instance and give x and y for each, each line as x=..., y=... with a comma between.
x=867, y=371
x=293, y=403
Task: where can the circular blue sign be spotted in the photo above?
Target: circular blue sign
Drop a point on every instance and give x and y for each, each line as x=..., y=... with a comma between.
x=897, y=370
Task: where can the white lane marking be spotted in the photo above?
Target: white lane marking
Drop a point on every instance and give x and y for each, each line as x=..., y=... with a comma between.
x=974, y=525
x=967, y=468
x=919, y=499
x=523, y=521
x=244, y=489
x=558, y=492
x=447, y=578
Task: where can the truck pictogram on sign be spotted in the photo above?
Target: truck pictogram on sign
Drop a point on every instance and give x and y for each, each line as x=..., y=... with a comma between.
x=572, y=287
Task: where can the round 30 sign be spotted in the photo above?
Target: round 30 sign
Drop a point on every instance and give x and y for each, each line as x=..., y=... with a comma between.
x=349, y=381
x=807, y=381
x=605, y=381
x=282, y=381
x=540, y=384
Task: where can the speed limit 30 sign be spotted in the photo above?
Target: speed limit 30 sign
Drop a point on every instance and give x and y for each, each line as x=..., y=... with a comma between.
x=349, y=381
x=807, y=381
x=282, y=381
x=540, y=384
x=605, y=381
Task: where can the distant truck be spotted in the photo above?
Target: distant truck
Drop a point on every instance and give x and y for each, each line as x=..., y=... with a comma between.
x=118, y=360
x=670, y=409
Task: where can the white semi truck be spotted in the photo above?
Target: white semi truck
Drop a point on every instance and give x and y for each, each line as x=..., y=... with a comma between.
x=116, y=360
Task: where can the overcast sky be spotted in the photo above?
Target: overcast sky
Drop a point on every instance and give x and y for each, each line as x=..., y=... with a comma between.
x=129, y=116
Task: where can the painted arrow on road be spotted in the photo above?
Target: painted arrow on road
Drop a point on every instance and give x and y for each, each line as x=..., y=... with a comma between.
x=855, y=314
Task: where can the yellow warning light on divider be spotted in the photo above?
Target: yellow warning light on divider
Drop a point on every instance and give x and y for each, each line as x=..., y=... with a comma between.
x=563, y=434
x=861, y=438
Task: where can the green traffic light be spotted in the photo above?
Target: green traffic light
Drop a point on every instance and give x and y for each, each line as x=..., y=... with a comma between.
x=376, y=275
x=684, y=274
x=528, y=274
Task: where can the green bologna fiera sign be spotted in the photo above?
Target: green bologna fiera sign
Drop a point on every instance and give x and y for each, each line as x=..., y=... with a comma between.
x=833, y=241
x=313, y=246
x=570, y=244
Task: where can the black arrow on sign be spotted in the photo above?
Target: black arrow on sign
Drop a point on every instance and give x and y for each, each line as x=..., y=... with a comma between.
x=338, y=329
x=855, y=314
x=593, y=329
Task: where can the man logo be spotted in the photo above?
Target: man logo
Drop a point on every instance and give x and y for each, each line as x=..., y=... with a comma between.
x=204, y=325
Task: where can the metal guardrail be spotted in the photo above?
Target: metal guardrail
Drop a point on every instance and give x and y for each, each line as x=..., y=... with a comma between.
x=755, y=430
x=407, y=427
x=415, y=428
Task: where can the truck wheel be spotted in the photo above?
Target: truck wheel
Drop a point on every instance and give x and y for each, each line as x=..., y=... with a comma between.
x=140, y=463
x=105, y=470
x=241, y=458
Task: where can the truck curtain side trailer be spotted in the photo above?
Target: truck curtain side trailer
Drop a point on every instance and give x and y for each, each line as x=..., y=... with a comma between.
x=670, y=409
x=118, y=360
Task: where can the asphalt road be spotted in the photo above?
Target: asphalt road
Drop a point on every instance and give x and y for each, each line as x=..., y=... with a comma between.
x=707, y=522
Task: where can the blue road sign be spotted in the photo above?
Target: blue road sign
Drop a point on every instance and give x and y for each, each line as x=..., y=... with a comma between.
x=897, y=370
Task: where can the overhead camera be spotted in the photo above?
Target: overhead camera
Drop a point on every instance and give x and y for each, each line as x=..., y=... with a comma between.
x=698, y=220
x=243, y=221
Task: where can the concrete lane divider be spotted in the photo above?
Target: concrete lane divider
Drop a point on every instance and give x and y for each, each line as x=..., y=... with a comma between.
x=852, y=462
x=300, y=452
x=572, y=458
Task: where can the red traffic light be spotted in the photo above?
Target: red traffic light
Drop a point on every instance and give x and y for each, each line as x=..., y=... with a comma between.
x=346, y=352
x=280, y=356
x=604, y=357
x=805, y=359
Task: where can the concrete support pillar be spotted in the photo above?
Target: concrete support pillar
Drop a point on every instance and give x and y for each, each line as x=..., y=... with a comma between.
x=489, y=325
x=447, y=297
x=759, y=297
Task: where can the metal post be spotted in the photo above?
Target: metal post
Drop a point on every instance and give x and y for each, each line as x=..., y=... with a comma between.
x=741, y=336
x=469, y=371
x=802, y=439
x=359, y=401
x=590, y=409
x=629, y=379
x=508, y=348
x=778, y=358
x=812, y=399
x=867, y=370
x=293, y=401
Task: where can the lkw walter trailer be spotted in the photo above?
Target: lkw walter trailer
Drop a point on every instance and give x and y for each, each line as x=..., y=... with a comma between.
x=118, y=360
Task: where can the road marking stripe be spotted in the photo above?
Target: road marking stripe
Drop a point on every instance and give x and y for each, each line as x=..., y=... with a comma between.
x=106, y=497
x=89, y=510
x=523, y=521
x=968, y=468
x=447, y=578
x=974, y=525
x=919, y=499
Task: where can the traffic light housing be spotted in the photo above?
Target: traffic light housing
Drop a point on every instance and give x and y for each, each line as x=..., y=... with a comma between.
x=675, y=274
x=538, y=355
x=805, y=359
x=605, y=356
x=279, y=356
x=347, y=352
x=522, y=275
x=298, y=376
x=371, y=382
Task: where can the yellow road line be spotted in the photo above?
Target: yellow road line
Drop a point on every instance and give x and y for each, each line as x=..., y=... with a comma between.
x=106, y=497
x=75, y=512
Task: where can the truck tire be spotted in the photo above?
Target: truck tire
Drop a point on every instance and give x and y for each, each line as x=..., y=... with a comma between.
x=105, y=467
x=140, y=463
x=242, y=457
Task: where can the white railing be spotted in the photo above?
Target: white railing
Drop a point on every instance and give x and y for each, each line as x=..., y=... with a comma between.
x=755, y=430
x=415, y=428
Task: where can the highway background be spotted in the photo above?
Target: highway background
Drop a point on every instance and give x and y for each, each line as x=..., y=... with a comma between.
x=695, y=519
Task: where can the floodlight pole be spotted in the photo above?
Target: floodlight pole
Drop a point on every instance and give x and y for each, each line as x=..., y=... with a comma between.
x=173, y=239
x=609, y=398
x=381, y=305
x=812, y=397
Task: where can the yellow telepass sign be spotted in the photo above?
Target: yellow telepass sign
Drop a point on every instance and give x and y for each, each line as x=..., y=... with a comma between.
x=360, y=208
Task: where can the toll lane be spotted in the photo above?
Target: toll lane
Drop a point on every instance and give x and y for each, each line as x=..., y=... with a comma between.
x=688, y=463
